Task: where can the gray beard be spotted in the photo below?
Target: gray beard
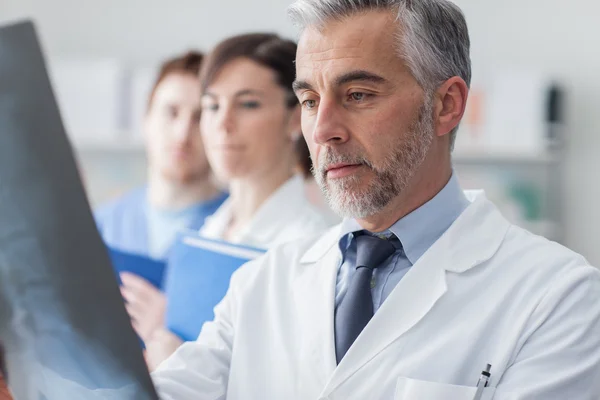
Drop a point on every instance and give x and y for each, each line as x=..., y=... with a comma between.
x=391, y=178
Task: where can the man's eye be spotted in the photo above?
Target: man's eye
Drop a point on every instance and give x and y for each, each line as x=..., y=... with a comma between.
x=357, y=96
x=309, y=104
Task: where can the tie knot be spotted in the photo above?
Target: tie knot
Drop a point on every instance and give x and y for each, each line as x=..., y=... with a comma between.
x=371, y=251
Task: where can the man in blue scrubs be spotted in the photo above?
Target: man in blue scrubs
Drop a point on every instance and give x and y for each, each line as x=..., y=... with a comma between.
x=181, y=192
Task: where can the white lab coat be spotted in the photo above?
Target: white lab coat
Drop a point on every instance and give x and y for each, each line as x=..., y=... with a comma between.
x=286, y=215
x=485, y=292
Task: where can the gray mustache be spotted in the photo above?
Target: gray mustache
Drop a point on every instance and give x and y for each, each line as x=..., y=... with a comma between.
x=331, y=158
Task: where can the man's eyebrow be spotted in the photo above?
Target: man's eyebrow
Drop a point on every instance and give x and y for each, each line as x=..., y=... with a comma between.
x=301, y=85
x=352, y=76
x=359, y=75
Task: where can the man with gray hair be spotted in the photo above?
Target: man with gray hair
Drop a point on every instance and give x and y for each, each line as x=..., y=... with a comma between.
x=423, y=292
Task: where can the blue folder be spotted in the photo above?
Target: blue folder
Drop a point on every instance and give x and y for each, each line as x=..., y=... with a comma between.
x=199, y=270
x=150, y=269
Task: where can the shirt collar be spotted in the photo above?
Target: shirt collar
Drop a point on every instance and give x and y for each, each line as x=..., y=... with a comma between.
x=421, y=228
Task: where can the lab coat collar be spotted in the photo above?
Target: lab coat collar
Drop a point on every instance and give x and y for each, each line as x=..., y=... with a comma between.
x=476, y=236
x=418, y=230
x=481, y=213
x=268, y=221
x=279, y=208
x=328, y=242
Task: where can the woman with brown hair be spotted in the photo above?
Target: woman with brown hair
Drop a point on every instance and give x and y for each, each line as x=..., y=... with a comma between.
x=251, y=130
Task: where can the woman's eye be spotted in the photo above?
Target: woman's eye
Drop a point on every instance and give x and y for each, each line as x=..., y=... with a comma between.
x=211, y=107
x=251, y=104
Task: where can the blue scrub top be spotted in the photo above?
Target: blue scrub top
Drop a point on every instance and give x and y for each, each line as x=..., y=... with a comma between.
x=123, y=223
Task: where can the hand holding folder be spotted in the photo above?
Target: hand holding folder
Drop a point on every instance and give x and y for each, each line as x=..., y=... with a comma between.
x=150, y=269
x=199, y=270
x=141, y=279
x=145, y=305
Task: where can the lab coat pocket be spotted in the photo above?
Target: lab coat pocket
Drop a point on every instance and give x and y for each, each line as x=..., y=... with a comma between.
x=413, y=389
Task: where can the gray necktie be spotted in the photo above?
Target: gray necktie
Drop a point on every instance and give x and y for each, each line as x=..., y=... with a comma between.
x=356, y=308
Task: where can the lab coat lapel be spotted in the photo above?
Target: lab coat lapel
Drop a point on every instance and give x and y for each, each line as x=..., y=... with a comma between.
x=458, y=250
x=408, y=303
x=314, y=292
x=273, y=215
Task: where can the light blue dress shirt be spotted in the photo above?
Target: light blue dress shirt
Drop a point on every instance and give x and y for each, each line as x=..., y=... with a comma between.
x=416, y=232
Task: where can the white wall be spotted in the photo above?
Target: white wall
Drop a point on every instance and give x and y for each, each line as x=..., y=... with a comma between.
x=144, y=30
x=557, y=36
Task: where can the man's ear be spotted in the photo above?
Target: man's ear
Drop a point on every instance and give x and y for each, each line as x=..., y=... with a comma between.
x=449, y=104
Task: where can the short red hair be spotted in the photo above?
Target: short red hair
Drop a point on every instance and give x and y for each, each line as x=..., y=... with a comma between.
x=187, y=64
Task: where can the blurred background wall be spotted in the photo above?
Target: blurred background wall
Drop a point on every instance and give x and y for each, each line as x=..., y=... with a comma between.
x=522, y=41
x=562, y=38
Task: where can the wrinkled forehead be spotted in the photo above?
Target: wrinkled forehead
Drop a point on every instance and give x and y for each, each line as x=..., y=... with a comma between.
x=367, y=41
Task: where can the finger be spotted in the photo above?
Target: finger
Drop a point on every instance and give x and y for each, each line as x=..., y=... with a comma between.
x=132, y=312
x=135, y=282
x=137, y=310
x=135, y=296
x=143, y=294
x=137, y=328
x=129, y=295
x=141, y=330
